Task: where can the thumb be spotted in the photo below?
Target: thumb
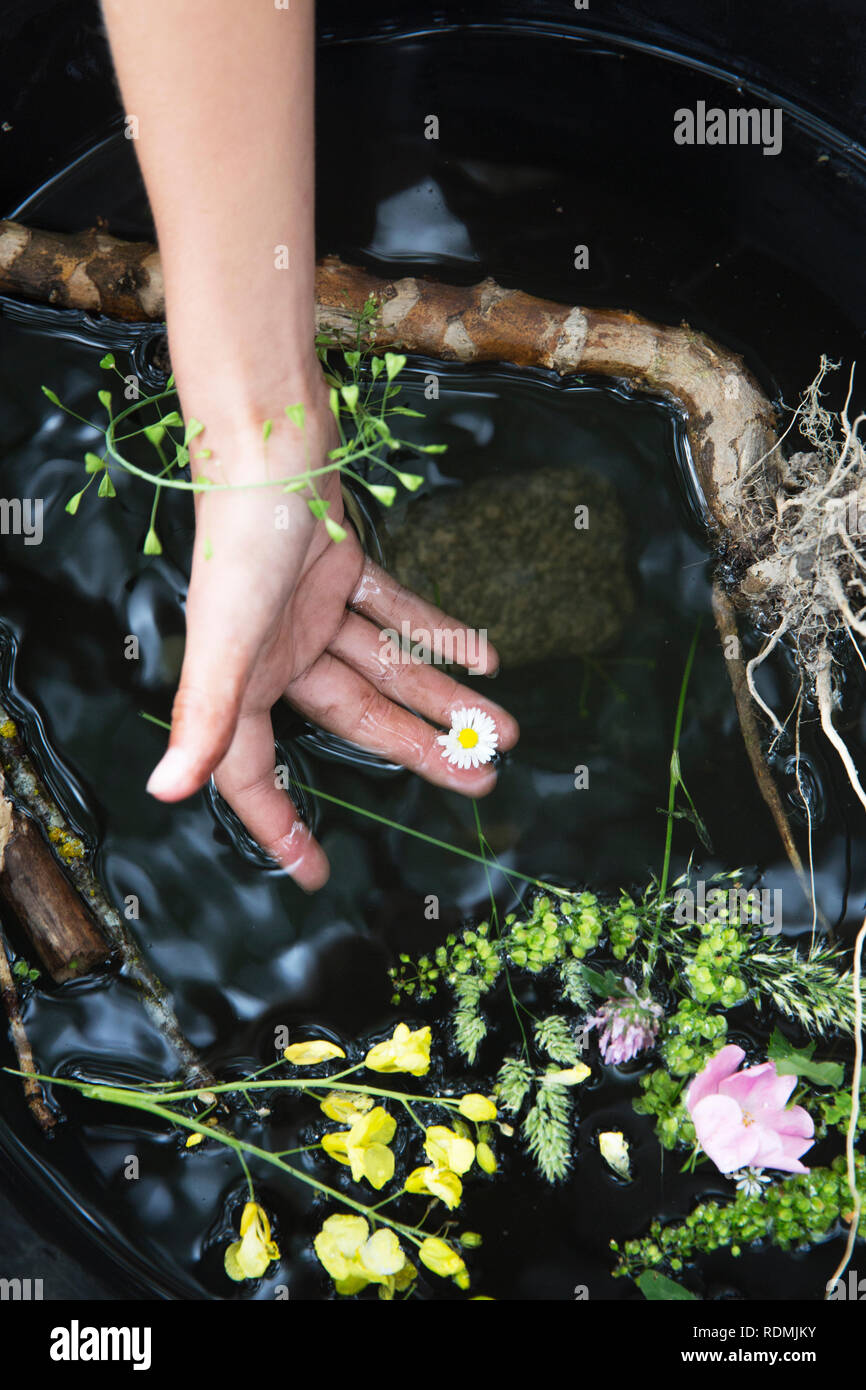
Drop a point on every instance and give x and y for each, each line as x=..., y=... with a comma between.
x=205, y=710
x=202, y=729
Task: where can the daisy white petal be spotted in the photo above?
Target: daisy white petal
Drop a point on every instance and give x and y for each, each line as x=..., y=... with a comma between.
x=471, y=740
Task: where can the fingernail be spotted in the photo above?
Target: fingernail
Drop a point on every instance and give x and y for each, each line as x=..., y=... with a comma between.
x=175, y=767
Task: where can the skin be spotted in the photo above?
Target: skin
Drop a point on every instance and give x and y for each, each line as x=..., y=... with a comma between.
x=224, y=100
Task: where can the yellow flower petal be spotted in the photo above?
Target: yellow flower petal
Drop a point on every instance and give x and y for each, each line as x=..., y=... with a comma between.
x=353, y=1283
x=335, y=1146
x=249, y=1257
x=477, y=1108
x=438, y=1255
x=404, y=1277
x=403, y=1051
x=438, y=1182
x=486, y=1158
x=345, y=1106
x=614, y=1151
x=232, y=1264
x=572, y=1076
x=377, y=1164
x=382, y=1255
x=378, y=1127
x=308, y=1054
x=337, y=1246
x=446, y=1149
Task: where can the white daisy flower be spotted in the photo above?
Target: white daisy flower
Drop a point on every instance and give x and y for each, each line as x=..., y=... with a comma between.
x=750, y=1180
x=471, y=740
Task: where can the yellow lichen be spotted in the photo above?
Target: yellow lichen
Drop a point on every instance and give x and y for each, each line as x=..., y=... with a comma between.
x=8, y=729
x=67, y=846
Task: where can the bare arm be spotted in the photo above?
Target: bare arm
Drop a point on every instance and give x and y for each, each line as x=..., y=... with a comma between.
x=223, y=93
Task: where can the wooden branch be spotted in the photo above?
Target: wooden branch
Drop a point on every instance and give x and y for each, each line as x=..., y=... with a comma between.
x=59, y=927
x=729, y=421
x=56, y=929
x=44, y=1116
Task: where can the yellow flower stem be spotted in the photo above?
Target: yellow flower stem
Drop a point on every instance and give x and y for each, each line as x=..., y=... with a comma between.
x=325, y=1083
x=407, y=1106
x=247, y=1174
x=114, y=1095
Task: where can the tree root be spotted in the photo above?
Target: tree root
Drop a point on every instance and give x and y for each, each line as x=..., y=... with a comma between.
x=65, y=934
x=726, y=622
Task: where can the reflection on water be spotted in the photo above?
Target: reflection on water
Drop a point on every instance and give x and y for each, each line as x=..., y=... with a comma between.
x=242, y=949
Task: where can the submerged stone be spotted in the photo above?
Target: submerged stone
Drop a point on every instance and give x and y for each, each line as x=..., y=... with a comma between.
x=538, y=560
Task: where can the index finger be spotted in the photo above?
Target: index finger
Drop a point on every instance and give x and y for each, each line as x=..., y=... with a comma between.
x=398, y=610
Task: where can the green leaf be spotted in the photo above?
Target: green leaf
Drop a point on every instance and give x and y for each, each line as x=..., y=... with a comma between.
x=411, y=481
x=298, y=414
x=376, y=365
x=383, y=493
x=655, y=1286
x=266, y=430
x=352, y=359
x=430, y=448
x=334, y=402
x=171, y=419
x=181, y=455
x=318, y=506
x=797, y=1061
x=106, y=486
x=72, y=504
x=93, y=463
x=154, y=433
x=394, y=363
x=152, y=545
x=336, y=532
x=169, y=385
x=193, y=428
x=404, y=410
x=105, y=398
x=296, y=485
x=52, y=396
x=606, y=984
x=350, y=396
x=204, y=454
x=107, y=361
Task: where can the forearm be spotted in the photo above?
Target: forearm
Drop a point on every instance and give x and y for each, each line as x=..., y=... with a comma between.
x=223, y=93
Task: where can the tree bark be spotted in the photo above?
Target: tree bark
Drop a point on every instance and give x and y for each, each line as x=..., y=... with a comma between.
x=729, y=421
x=58, y=926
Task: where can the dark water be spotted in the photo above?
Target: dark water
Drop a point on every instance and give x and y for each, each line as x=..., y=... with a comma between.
x=762, y=252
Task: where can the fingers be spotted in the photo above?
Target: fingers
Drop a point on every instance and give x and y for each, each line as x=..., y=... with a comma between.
x=422, y=687
x=338, y=698
x=245, y=778
x=202, y=727
x=381, y=598
x=225, y=625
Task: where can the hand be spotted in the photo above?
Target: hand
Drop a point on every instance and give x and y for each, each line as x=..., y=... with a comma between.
x=286, y=612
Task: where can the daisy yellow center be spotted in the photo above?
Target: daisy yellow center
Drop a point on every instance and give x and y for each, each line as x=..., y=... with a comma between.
x=467, y=738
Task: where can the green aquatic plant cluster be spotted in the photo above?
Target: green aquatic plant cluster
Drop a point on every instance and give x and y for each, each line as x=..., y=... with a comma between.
x=796, y=1212
x=702, y=969
x=363, y=388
